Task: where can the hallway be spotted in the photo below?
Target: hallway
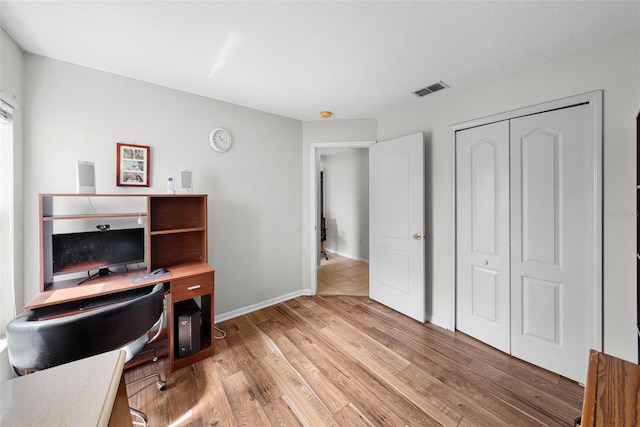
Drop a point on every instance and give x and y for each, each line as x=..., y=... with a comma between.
x=343, y=276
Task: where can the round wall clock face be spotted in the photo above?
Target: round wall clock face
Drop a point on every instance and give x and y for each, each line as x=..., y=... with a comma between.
x=220, y=140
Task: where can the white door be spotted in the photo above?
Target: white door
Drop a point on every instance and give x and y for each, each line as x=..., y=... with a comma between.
x=552, y=245
x=396, y=197
x=546, y=201
x=482, y=233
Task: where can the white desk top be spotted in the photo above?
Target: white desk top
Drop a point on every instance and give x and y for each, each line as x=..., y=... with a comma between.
x=80, y=393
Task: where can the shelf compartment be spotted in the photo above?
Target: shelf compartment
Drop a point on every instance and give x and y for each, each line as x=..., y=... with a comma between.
x=206, y=332
x=174, y=213
x=166, y=250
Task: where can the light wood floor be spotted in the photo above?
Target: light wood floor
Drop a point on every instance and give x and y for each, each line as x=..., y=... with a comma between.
x=343, y=276
x=335, y=360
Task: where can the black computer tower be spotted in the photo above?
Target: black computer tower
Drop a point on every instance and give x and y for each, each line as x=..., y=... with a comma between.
x=187, y=315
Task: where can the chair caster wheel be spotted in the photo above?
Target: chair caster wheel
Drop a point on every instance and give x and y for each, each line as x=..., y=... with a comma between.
x=162, y=385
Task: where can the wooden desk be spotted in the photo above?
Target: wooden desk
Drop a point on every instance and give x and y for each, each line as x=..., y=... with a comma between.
x=87, y=392
x=612, y=392
x=186, y=281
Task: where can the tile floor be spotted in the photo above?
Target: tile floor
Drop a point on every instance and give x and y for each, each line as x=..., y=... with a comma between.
x=343, y=276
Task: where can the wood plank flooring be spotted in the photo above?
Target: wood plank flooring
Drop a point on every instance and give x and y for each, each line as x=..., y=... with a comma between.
x=349, y=361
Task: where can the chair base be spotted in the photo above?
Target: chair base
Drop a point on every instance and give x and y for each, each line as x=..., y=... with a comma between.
x=159, y=382
x=141, y=417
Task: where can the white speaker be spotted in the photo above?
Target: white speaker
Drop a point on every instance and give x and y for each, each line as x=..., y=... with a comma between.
x=186, y=181
x=86, y=177
x=171, y=189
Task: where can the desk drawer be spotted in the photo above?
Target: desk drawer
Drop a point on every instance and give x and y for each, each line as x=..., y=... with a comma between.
x=191, y=287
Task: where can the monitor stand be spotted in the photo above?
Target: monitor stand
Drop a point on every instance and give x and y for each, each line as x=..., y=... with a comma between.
x=101, y=272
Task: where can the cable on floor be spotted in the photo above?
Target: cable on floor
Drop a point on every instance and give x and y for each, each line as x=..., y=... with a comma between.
x=224, y=334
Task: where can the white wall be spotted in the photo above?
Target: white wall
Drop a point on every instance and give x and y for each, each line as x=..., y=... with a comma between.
x=255, y=194
x=11, y=85
x=346, y=200
x=613, y=66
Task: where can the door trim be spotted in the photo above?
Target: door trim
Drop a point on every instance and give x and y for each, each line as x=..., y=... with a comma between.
x=314, y=233
x=596, y=293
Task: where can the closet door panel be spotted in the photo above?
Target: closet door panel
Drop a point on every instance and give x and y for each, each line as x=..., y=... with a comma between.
x=482, y=237
x=540, y=188
x=551, y=207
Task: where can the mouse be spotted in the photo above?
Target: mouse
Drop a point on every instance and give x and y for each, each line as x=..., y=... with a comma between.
x=158, y=271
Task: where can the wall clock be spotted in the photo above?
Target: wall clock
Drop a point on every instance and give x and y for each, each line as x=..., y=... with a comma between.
x=220, y=140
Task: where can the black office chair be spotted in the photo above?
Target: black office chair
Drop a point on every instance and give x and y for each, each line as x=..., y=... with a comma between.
x=323, y=238
x=34, y=344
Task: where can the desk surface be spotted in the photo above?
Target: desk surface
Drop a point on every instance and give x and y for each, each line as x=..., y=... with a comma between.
x=80, y=393
x=109, y=284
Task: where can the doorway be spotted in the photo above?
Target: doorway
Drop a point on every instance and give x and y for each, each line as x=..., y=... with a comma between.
x=340, y=247
x=344, y=221
x=396, y=222
x=339, y=275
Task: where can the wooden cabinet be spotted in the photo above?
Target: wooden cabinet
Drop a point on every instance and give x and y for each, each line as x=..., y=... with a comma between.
x=197, y=287
x=175, y=237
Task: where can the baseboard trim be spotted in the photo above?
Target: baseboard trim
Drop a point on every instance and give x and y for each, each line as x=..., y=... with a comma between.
x=286, y=297
x=353, y=257
x=436, y=321
x=263, y=304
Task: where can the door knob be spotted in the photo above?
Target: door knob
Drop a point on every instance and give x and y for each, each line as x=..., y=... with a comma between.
x=417, y=236
x=485, y=262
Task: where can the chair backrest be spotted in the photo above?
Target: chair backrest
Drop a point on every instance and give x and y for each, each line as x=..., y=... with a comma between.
x=35, y=344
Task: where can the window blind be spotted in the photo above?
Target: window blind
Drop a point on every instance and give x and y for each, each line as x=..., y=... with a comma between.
x=6, y=110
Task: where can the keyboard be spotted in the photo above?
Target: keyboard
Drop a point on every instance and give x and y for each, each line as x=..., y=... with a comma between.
x=113, y=298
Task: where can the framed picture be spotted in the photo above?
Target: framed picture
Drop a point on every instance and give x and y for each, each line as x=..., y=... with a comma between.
x=132, y=165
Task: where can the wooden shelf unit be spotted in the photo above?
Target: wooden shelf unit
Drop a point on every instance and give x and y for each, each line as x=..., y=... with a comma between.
x=177, y=232
x=176, y=239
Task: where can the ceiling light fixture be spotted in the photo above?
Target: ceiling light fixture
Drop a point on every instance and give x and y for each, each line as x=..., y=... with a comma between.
x=326, y=114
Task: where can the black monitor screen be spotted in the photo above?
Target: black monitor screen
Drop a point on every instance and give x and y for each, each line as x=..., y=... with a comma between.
x=93, y=250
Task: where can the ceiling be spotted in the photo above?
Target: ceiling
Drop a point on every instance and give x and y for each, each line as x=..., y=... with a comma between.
x=296, y=58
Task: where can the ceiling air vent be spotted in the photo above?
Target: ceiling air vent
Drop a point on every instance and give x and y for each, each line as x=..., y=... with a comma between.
x=430, y=89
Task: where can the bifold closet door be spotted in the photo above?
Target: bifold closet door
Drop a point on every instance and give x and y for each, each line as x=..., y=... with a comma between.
x=482, y=224
x=525, y=209
x=552, y=199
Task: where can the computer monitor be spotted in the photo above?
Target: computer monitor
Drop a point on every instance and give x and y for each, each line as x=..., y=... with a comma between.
x=97, y=250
